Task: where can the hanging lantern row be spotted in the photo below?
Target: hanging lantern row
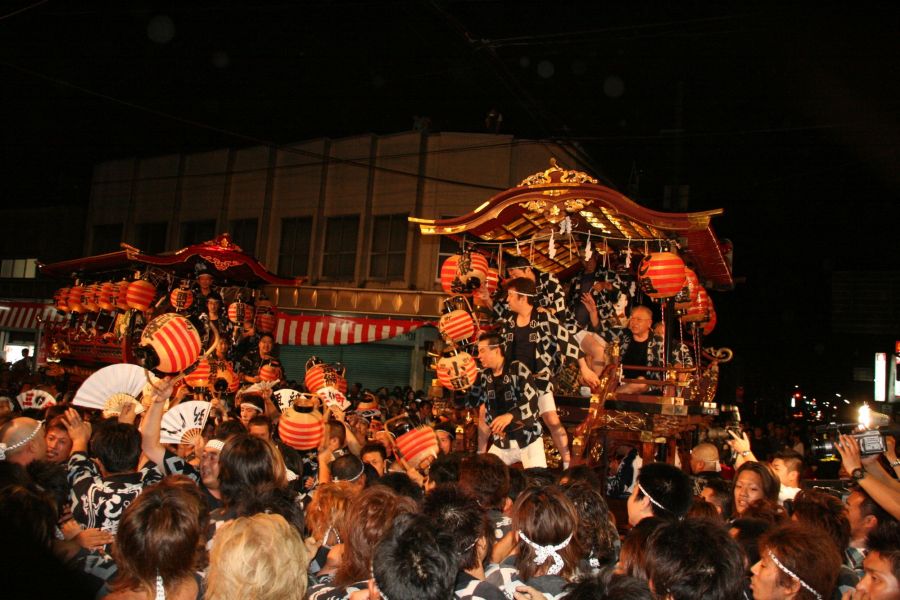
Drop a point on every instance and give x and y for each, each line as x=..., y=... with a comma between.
x=663, y=275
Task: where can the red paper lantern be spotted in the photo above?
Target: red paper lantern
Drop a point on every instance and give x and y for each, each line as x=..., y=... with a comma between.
x=89, y=298
x=105, y=297
x=265, y=321
x=457, y=372
x=661, y=275
x=199, y=377
x=457, y=325
x=417, y=444
x=689, y=291
x=140, y=295
x=61, y=299
x=175, y=341
x=462, y=270
x=322, y=375
x=270, y=372
x=181, y=299
x=120, y=295
x=698, y=311
x=240, y=312
x=711, y=324
x=301, y=430
x=492, y=281
x=226, y=373
x=76, y=293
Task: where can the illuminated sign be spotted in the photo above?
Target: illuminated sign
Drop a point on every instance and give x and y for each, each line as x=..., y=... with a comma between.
x=880, y=376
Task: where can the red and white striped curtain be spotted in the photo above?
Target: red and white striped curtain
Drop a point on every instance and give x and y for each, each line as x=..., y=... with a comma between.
x=303, y=330
x=24, y=315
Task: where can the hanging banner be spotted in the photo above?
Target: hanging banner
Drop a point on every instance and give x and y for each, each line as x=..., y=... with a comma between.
x=304, y=330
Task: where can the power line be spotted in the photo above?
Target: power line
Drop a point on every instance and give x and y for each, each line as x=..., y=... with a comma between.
x=23, y=9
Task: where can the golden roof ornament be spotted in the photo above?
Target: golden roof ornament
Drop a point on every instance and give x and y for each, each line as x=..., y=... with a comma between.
x=556, y=175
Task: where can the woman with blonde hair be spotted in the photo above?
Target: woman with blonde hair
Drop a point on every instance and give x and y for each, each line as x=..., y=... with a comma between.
x=260, y=557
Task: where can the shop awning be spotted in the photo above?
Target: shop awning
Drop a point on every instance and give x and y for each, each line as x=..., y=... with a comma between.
x=326, y=330
x=27, y=315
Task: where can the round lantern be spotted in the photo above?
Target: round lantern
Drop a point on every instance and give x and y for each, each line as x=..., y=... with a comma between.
x=415, y=444
x=199, y=377
x=120, y=295
x=181, y=299
x=170, y=344
x=106, y=296
x=301, y=428
x=322, y=375
x=76, y=292
x=661, y=275
x=269, y=372
x=225, y=379
x=89, y=298
x=467, y=270
x=61, y=299
x=240, y=312
x=457, y=325
x=265, y=317
x=698, y=311
x=140, y=295
x=457, y=372
x=691, y=284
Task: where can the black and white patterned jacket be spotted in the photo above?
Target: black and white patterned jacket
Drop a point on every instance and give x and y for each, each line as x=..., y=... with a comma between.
x=519, y=398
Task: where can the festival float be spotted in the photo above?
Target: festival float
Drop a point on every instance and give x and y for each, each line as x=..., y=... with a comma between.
x=160, y=310
x=557, y=219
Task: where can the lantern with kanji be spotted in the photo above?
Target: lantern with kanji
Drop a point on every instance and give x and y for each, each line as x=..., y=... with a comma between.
x=224, y=380
x=120, y=295
x=140, y=295
x=698, y=311
x=61, y=300
x=457, y=372
x=661, y=275
x=689, y=291
x=199, y=377
x=265, y=317
x=492, y=280
x=76, y=293
x=182, y=298
x=169, y=343
x=457, y=325
x=320, y=374
x=415, y=443
x=89, y=298
x=105, y=297
x=301, y=427
x=463, y=272
x=240, y=312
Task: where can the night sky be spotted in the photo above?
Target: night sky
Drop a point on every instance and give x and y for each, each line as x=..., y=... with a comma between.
x=786, y=116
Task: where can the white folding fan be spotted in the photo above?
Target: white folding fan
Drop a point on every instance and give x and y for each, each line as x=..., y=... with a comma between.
x=110, y=388
x=184, y=423
x=286, y=397
x=38, y=399
x=331, y=396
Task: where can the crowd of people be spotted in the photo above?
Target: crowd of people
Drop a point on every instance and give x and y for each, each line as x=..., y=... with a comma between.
x=106, y=509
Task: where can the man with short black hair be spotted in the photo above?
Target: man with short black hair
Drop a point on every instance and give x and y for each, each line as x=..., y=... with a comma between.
x=882, y=567
x=865, y=517
x=661, y=491
x=374, y=455
x=788, y=466
x=413, y=561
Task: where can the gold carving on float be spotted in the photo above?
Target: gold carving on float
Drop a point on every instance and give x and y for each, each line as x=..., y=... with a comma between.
x=555, y=211
x=555, y=174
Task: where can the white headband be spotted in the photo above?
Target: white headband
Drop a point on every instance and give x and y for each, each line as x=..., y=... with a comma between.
x=6, y=449
x=794, y=576
x=542, y=553
x=362, y=469
x=652, y=501
x=215, y=445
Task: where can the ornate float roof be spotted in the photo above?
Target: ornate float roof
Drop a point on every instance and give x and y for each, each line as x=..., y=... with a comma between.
x=220, y=257
x=521, y=219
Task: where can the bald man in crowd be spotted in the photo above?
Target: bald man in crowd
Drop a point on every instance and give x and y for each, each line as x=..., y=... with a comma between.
x=704, y=465
x=22, y=441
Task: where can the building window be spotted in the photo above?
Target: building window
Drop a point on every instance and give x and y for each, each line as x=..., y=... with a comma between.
x=106, y=238
x=243, y=233
x=339, y=258
x=293, y=253
x=151, y=237
x=448, y=248
x=18, y=268
x=196, y=232
x=388, y=258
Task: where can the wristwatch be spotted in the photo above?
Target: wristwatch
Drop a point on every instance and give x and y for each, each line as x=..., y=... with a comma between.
x=896, y=463
x=858, y=473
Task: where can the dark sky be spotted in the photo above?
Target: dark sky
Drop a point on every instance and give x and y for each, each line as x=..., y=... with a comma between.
x=787, y=116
